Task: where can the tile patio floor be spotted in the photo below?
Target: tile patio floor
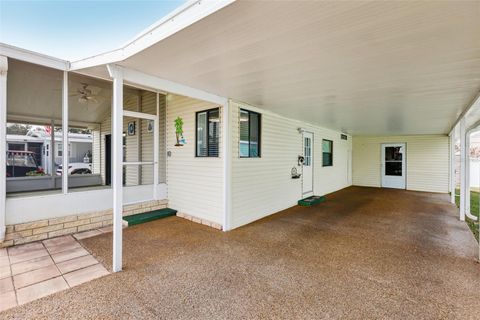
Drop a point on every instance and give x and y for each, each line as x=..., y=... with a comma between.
x=32, y=271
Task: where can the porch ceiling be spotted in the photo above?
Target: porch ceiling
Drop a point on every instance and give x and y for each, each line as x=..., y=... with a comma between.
x=361, y=67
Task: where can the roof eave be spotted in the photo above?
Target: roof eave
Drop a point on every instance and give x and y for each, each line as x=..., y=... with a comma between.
x=184, y=16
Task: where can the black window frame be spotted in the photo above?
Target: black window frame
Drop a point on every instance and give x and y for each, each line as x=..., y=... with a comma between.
x=331, y=153
x=249, y=138
x=208, y=130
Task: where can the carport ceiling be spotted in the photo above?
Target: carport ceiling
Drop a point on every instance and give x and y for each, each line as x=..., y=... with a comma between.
x=361, y=67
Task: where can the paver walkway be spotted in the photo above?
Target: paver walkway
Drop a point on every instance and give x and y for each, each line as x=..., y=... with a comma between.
x=31, y=271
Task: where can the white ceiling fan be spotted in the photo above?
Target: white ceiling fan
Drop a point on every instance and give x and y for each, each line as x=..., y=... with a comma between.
x=85, y=95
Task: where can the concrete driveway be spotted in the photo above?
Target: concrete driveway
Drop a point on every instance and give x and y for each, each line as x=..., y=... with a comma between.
x=365, y=253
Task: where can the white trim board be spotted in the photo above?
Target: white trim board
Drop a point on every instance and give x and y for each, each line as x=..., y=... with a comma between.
x=181, y=18
x=33, y=57
x=27, y=209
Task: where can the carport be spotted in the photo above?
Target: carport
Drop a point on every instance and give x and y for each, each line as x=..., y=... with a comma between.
x=345, y=71
x=365, y=253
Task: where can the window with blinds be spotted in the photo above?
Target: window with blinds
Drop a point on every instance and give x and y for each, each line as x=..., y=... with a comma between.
x=250, y=124
x=207, y=133
x=327, y=152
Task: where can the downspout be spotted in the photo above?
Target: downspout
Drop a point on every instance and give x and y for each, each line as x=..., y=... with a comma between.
x=3, y=147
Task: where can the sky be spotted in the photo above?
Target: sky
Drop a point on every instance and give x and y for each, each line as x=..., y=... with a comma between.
x=74, y=30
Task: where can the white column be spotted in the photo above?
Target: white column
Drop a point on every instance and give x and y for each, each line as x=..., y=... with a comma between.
x=462, y=169
x=452, y=166
x=227, y=166
x=117, y=164
x=467, y=173
x=65, y=133
x=53, y=148
x=468, y=214
x=3, y=144
x=156, y=140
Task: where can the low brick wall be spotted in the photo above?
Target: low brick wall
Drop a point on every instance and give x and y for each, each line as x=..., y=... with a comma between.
x=50, y=228
x=198, y=220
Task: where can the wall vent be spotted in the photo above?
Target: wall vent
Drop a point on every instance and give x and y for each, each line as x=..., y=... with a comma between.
x=344, y=137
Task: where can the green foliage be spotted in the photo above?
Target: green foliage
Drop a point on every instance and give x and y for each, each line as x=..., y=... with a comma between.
x=179, y=125
x=17, y=128
x=474, y=209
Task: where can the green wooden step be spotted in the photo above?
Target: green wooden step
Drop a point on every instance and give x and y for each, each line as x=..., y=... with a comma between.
x=311, y=201
x=149, y=216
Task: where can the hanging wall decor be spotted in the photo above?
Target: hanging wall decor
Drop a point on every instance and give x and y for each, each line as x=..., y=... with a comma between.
x=150, y=126
x=179, y=132
x=131, y=128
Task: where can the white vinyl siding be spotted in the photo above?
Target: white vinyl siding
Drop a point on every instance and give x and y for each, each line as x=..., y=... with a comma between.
x=427, y=161
x=195, y=184
x=162, y=148
x=263, y=186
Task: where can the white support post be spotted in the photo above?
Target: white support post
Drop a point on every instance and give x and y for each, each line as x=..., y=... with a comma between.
x=52, y=153
x=462, y=169
x=468, y=214
x=452, y=166
x=227, y=166
x=117, y=164
x=3, y=144
x=65, y=133
x=156, y=140
x=467, y=173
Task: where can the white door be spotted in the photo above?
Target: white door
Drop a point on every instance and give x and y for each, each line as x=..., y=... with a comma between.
x=393, y=165
x=307, y=170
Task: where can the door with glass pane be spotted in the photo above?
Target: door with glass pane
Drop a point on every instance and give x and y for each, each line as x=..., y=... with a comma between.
x=307, y=164
x=393, y=165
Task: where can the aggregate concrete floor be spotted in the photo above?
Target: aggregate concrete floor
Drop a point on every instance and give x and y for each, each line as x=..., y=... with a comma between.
x=365, y=253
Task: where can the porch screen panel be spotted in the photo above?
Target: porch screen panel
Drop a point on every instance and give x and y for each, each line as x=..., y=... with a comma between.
x=34, y=131
x=89, y=132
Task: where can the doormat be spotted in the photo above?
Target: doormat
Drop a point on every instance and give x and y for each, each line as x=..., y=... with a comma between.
x=311, y=201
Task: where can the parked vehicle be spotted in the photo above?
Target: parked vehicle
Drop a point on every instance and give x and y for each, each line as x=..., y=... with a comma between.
x=22, y=164
x=76, y=168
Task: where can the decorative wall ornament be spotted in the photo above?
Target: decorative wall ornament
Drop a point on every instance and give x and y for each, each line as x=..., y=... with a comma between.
x=179, y=132
x=150, y=125
x=131, y=128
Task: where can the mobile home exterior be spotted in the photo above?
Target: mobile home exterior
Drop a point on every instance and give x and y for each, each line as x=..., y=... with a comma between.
x=225, y=143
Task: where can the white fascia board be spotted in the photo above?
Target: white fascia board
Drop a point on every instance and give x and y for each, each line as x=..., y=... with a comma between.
x=33, y=57
x=184, y=16
x=145, y=80
x=469, y=106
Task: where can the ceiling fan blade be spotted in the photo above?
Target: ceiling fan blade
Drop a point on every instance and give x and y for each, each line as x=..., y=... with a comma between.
x=92, y=98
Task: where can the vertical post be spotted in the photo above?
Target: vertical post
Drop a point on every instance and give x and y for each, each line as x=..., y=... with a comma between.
x=452, y=166
x=52, y=153
x=227, y=166
x=156, y=140
x=467, y=173
x=65, y=133
x=117, y=164
x=3, y=145
x=462, y=169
